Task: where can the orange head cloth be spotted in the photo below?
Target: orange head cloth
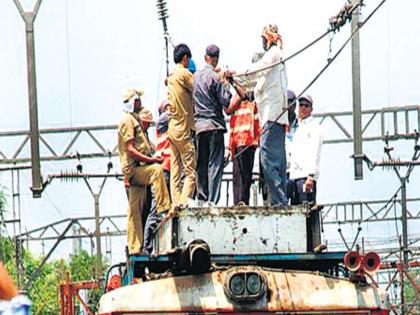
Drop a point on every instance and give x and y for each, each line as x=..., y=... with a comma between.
x=271, y=34
x=7, y=289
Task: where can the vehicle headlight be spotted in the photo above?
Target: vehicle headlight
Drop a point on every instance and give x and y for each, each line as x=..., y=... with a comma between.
x=237, y=284
x=245, y=286
x=253, y=284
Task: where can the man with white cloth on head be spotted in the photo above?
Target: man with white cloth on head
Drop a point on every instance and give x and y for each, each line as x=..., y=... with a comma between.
x=271, y=98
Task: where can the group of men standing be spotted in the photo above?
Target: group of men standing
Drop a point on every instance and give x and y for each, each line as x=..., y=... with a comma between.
x=190, y=136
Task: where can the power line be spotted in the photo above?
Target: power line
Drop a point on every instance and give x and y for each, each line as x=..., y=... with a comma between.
x=51, y=202
x=329, y=62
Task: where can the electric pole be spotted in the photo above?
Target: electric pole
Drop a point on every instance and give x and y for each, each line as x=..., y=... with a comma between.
x=357, y=97
x=29, y=19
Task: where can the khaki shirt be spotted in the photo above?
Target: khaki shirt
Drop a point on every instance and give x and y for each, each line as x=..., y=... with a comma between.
x=181, y=119
x=130, y=129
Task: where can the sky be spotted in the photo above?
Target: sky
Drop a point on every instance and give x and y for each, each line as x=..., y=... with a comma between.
x=89, y=51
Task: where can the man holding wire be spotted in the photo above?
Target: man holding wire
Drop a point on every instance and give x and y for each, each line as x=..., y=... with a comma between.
x=211, y=97
x=271, y=98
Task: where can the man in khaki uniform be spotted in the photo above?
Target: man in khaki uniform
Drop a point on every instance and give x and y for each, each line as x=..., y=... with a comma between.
x=181, y=127
x=139, y=167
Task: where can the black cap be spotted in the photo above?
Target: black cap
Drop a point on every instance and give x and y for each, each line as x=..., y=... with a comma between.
x=212, y=51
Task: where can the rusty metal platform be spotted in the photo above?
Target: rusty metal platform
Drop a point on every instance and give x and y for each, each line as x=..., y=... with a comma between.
x=324, y=262
x=241, y=230
x=252, y=259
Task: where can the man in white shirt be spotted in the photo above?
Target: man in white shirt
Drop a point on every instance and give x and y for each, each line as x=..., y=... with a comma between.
x=271, y=99
x=305, y=153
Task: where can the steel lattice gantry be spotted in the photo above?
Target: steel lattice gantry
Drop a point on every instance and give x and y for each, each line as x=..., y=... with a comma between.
x=77, y=145
x=392, y=123
x=369, y=211
x=76, y=228
x=350, y=212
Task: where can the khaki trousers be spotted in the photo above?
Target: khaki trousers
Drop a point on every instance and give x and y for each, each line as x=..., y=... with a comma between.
x=136, y=200
x=141, y=177
x=182, y=159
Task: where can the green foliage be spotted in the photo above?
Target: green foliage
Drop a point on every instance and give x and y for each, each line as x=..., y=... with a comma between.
x=82, y=266
x=7, y=250
x=410, y=291
x=2, y=199
x=44, y=291
x=3, y=202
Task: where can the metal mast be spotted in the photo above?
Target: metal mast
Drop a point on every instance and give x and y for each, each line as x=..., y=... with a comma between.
x=357, y=97
x=29, y=19
x=163, y=15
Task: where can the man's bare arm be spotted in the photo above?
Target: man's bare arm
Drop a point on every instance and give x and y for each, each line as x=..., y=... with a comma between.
x=134, y=153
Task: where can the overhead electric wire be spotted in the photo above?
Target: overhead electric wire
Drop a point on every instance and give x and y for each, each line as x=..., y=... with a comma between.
x=307, y=46
x=332, y=29
x=248, y=73
x=51, y=202
x=392, y=199
x=329, y=62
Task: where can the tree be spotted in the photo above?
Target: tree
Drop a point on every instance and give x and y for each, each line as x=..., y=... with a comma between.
x=2, y=203
x=82, y=267
x=411, y=292
x=44, y=291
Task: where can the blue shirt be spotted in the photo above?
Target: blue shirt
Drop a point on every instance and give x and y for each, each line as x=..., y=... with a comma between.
x=210, y=97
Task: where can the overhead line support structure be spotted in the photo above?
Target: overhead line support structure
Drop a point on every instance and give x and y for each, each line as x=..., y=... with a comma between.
x=394, y=165
x=51, y=232
x=163, y=15
x=29, y=19
x=404, y=212
x=343, y=134
x=357, y=96
x=96, y=196
x=367, y=211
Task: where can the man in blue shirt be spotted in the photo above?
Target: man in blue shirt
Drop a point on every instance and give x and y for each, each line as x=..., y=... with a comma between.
x=211, y=97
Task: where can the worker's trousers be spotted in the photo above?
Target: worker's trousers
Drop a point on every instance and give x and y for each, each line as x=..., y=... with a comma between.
x=210, y=154
x=153, y=218
x=273, y=160
x=183, y=162
x=142, y=176
x=136, y=200
x=242, y=173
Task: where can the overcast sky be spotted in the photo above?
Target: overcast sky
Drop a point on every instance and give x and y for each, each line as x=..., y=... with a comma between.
x=89, y=51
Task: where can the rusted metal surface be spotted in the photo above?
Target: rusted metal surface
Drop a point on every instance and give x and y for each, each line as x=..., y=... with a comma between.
x=286, y=292
x=394, y=265
x=69, y=291
x=240, y=230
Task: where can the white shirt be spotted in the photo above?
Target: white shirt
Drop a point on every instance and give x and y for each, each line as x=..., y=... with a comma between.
x=288, y=143
x=271, y=87
x=305, y=149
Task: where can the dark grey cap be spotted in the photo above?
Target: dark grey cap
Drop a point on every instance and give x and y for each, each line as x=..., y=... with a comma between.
x=212, y=51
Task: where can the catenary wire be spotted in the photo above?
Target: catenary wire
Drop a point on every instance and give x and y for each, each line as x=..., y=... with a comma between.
x=329, y=62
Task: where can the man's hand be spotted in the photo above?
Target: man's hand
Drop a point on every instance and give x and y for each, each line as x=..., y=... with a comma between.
x=309, y=184
x=229, y=74
x=158, y=159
